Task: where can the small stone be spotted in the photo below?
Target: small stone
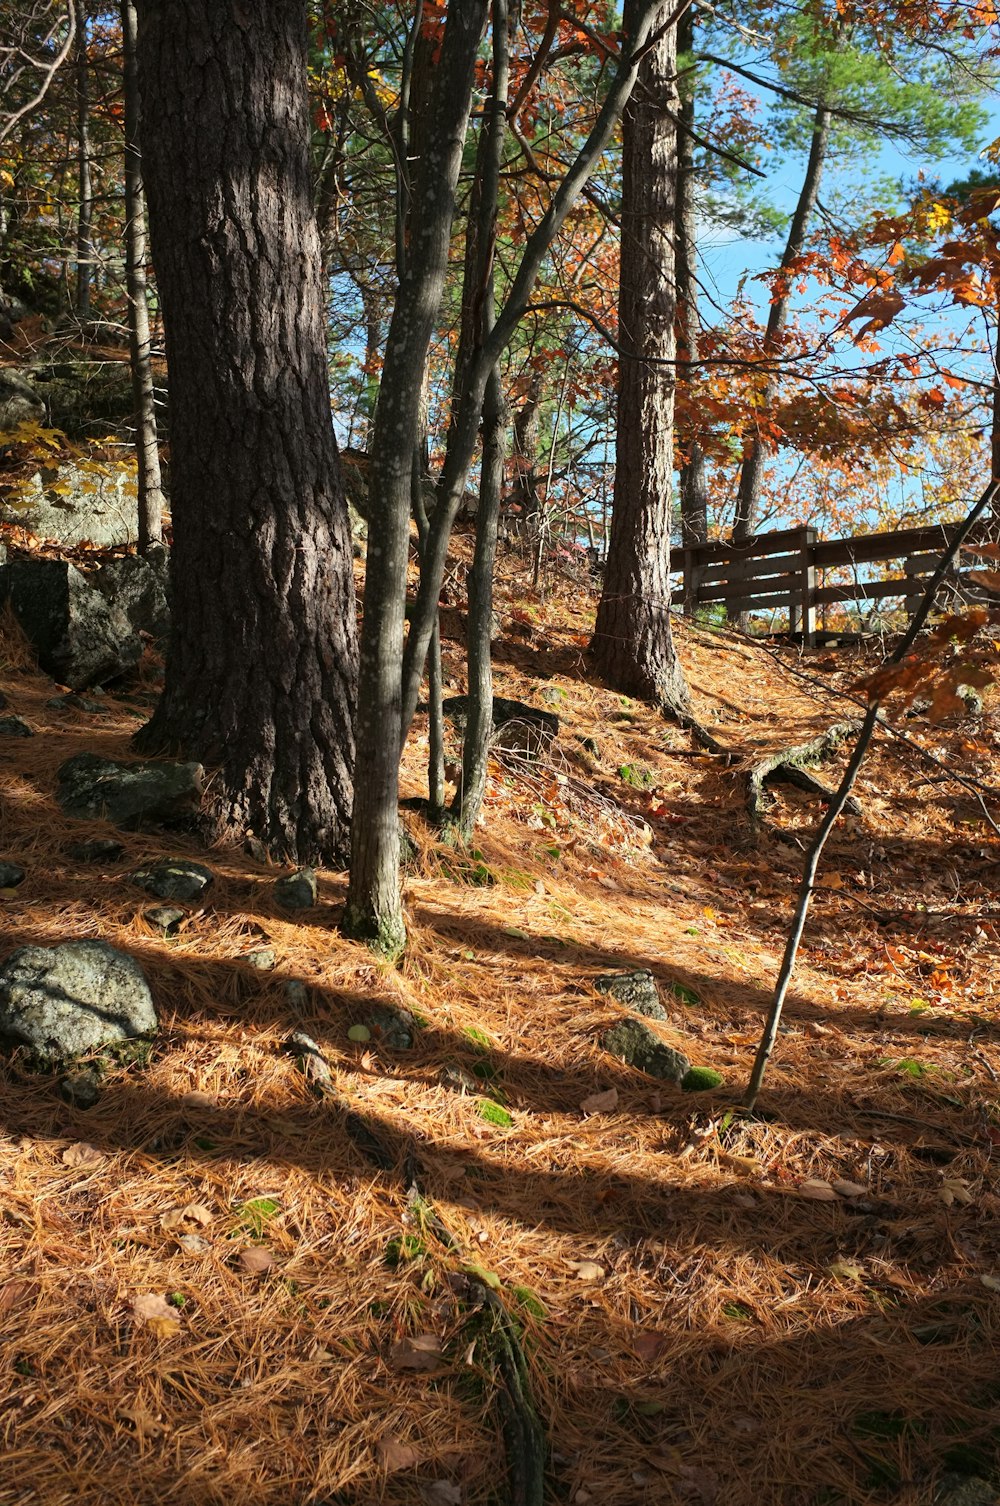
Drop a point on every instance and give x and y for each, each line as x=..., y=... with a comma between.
x=263, y=960
x=966, y=1490
x=14, y=726
x=81, y=1089
x=174, y=878
x=4, y=701
x=75, y=703
x=637, y=991
x=297, y=891
x=460, y=1079
x=590, y=745
x=11, y=874
x=100, y=850
x=165, y=918
x=636, y=1043
x=391, y=1026
x=297, y=994
x=254, y=848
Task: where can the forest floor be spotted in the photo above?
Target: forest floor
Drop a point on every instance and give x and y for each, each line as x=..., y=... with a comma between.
x=704, y=1319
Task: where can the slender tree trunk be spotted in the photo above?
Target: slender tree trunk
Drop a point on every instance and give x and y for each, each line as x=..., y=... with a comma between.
x=261, y=669
x=693, y=478
x=754, y=456
x=147, y=454
x=638, y=16
x=374, y=904
x=479, y=724
x=85, y=191
x=527, y=429
x=633, y=647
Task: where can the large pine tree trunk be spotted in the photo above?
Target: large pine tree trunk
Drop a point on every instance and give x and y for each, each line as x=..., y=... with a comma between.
x=693, y=479
x=633, y=648
x=262, y=664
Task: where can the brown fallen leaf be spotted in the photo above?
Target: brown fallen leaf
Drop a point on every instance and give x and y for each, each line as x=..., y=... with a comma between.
x=184, y=1220
x=199, y=1100
x=11, y=1293
x=600, y=1103
x=155, y=1311
x=145, y=1424
x=647, y=1346
x=845, y=1270
x=193, y=1244
x=443, y=1493
x=420, y=1353
x=845, y=1188
x=255, y=1260
x=954, y=1191
x=586, y=1270
x=82, y=1154
x=991, y=1283
x=817, y=1189
x=393, y=1455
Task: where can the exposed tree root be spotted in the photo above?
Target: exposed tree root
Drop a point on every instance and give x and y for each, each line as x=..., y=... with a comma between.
x=788, y=765
x=500, y=1347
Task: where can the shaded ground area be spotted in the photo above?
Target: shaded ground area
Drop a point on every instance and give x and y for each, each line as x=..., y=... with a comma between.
x=699, y=1326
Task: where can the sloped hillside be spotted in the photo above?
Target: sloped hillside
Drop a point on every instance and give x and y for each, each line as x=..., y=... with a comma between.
x=234, y=1280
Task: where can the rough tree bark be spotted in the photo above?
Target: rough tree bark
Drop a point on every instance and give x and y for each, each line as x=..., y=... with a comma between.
x=752, y=471
x=262, y=664
x=374, y=903
x=693, y=481
x=85, y=188
x=632, y=645
x=147, y=453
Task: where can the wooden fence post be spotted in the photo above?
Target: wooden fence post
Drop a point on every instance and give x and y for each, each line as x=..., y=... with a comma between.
x=807, y=588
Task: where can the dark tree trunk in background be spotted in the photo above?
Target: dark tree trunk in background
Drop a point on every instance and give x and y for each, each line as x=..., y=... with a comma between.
x=147, y=454
x=85, y=189
x=754, y=455
x=262, y=664
x=632, y=645
x=527, y=426
x=693, y=478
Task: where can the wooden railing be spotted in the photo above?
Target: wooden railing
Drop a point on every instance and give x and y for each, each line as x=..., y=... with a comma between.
x=787, y=570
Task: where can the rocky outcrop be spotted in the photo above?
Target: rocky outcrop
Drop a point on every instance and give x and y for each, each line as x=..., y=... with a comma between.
x=80, y=638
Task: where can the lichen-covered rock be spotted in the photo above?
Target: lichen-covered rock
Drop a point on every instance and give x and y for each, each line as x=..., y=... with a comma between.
x=19, y=402
x=634, y=1042
x=11, y=874
x=14, y=726
x=80, y=639
x=297, y=891
x=66, y=1000
x=128, y=793
x=174, y=878
x=391, y=1026
x=637, y=991
x=165, y=918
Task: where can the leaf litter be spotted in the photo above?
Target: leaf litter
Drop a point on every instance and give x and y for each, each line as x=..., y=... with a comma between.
x=843, y=1289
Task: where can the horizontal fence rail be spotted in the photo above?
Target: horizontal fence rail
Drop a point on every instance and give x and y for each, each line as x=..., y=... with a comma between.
x=786, y=569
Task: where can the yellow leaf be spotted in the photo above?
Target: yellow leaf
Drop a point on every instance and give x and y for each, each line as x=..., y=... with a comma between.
x=155, y=1312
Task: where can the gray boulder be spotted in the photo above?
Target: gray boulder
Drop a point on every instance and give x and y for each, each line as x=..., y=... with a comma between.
x=19, y=402
x=14, y=726
x=11, y=874
x=391, y=1026
x=128, y=793
x=72, y=505
x=140, y=587
x=634, y=1042
x=517, y=727
x=80, y=639
x=63, y=1001
x=174, y=878
x=635, y=990
x=966, y=1490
